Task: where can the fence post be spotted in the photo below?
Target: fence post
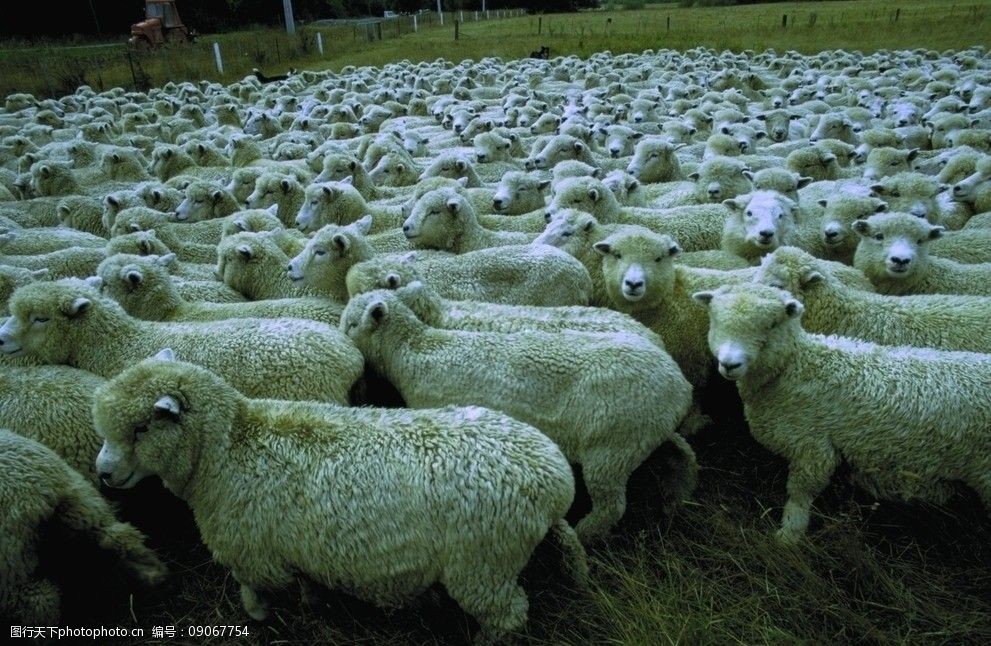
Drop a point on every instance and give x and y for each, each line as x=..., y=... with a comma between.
x=476, y=16
x=440, y=13
x=784, y=20
x=320, y=43
x=457, y=24
x=669, y=23
x=216, y=55
x=540, y=24
x=414, y=24
x=379, y=26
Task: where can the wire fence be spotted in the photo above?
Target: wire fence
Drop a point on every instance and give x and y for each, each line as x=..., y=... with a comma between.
x=57, y=71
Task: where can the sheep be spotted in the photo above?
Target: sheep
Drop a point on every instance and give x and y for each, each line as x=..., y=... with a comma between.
x=339, y=165
x=894, y=253
x=761, y=222
x=477, y=316
x=341, y=203
x=205, y=201
x=897, y=447
x=168, y=161
x=937, y=321
x=885, y=161
x=44, y=403
x=82, y=213
x=444, y=219
x=361, y=467
x=39, y=490
x=560, y=148
x=518, y=193
x=975, y=189
x=253, y=265
x=13, y=277
x=781, y=125
x=718, y=179
x=814, y=162
x=393, y=171
x=242, y=183
x=40, y=240
x=286, y=191
x=781, y=180
x=50, y=178
x=654, y=161
x=74, y=261
x=832, y=237
x=913, y=193
x=124, y=165
x=453, y=166
x=69, y=322
x=543, y=379
x=143, y=287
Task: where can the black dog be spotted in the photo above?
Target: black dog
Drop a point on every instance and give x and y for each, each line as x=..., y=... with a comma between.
x=544, y=52
x=269, y=79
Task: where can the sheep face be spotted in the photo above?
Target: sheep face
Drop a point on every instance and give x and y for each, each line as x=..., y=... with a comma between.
x=836, y=229
x=328, y=254
x=788, y=268
x=325, y=204
x=893, y=245
x=620, y=141
x=242, y=183
x=149, y=426
x=560, y=148
x=42, y=320
x=745, y=322
x=637, y=266
x=271, y=189
x=654, y=161
x=391, y=171
x=885, y=161
x=381, y=272
x=569, y=230
x=336, y=167
x=766, y=221
x=909, y=193
x=517, y=193
x=966, y=189
x=435, y=218
x=585, y=194
x=814, y=162
x=834, y=126
x=720, y=179
x=491, y=147
x=198, y=205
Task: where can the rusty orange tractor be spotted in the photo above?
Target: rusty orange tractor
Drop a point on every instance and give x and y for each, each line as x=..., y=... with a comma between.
x=161, y=25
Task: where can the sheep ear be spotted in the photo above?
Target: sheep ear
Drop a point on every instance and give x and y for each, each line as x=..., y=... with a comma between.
x=78, y=306
x=674, y=249
x=693, y=176
x=463, y=181
x=593, y=194
x=45, y=170
x=731, y=204
x=165, y=354
x=363, y=225
x=912, y=154
x=240, y=224
x=165, y=260
x=245, y=251
x=703, y=298
x=217, y=195
x=167, y=406
x=134, y=277
x=829, y=158
x=116, y=158
x=341, y=242
x=760, y=135
x=877, y=189
x=810, y=277
x=793, y=309
x=461, y=165
x=881, y=208
x=542, y=185
x=822, y=203
x=749, y=175
x=602, y=248
x=328, y=191
x=349, y=180
x=861, y=227
x=93, y=281
x=762, y=117
x=377, y=311
x=804, y=181
x=579, y=146
x=936, y=232
x=285, y=184
x=273, y=209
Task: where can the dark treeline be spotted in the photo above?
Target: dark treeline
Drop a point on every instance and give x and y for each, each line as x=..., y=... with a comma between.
x=114, y=17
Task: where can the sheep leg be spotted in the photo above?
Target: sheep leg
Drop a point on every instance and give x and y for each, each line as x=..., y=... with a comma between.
x=606, y=484
x=33, y=603
x=807, y=477
x=679, y=481
x=497, y=603
x=83, y=510
x=573, y=557
x=254, y=605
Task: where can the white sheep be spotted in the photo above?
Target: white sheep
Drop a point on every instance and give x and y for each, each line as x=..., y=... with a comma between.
x=459, y=496
x=903, y=447
x=70, y=323
x=545, y=380
x=761, y=222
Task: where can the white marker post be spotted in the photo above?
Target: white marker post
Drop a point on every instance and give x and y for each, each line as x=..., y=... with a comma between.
x=220, y=61
x=414, y=24
x=320, y=42
x=290, y=21
x=440, y=12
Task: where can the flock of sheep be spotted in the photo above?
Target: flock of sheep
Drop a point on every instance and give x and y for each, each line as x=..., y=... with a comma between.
x=547, y=259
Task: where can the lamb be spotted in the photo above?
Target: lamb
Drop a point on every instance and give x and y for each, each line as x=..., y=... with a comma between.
x=143, y=287
x=885, y=161
x=361, y=467
x=908, y=448
x=341, y=203
x=513, y=275
x=543, y=379
x=286, y=191
x=832, y=237
x=50, y=178
x=74, y=261
x=205, y=201
x=444, y=219
x=975, y=189
x=562, y=147
x=477, y=316
x=124, y=165
x=242, y=183
x=69, y=322
x=778, y=179
x=761, y=222
x=654, y=161
x=894, y=254
x=168, y=161
x=453, y=166
x=718, y=179
x=82, y=213
x=338, y=165
x=935, y=321
x=814, y=162
x=253, y=265
x=37, y=489
x=518, y=193
x=13, y=277
x=393, y=171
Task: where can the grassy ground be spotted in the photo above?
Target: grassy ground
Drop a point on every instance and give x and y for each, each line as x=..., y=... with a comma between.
x=869, y=573
x=866, y=25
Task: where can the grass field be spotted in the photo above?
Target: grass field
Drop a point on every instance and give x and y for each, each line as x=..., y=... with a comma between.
x=866, y=25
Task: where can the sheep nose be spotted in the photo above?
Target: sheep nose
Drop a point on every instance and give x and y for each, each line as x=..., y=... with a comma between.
x=713, y=192
x=902, y=123
x=900, y=261
x=105, y=477
x=633, y=284
x=497, y=204
x=614, y=153
x=832, y=234
x=958, y=190
x=729, y=367
x=406, y=228
x=766, y=234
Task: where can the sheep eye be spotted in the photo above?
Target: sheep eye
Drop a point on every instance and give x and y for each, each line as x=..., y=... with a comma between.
x=750, y=213
x=566, y=234
x=619, y=256
x=894, y=163
x=896, y=194
x=319, y=252
x=434, y=213
x=139, y=431
x=658, y=259
x=40, y=319
x=879, y=236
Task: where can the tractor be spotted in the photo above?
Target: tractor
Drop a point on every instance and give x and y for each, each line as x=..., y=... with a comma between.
x=162, y=25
